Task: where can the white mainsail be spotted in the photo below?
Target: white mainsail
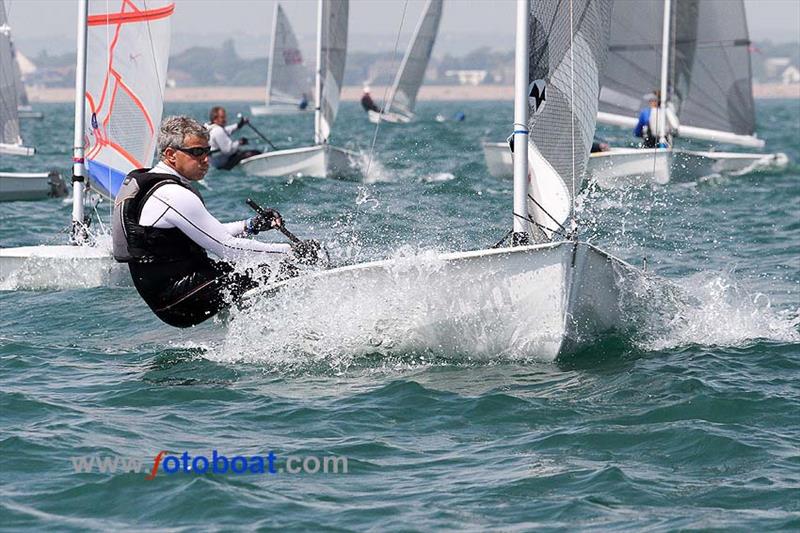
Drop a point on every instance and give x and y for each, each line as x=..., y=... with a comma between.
x=567, y=54
x=321, y=159
x=708, y=67
x=403, y=96
x=128, y=51
x=332, y=55
x=10, y=140
x=287, y=77
x=22, y=93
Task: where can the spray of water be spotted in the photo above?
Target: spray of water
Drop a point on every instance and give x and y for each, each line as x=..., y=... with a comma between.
x=408, y=314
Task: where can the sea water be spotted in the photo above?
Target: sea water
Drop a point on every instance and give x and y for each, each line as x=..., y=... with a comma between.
x=692, y=420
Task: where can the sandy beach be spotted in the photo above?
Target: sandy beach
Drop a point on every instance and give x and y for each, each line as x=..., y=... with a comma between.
x=353, y=93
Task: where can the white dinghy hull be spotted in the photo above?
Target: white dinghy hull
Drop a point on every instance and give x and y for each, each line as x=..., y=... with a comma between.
x=498, y=159
x=539, y=301
x=60, y=267
x=275, y=110
x=16, y=186
x=391, y=118
x=16, y=149
x=628, y=167
x=617, y=167
x=322, y=161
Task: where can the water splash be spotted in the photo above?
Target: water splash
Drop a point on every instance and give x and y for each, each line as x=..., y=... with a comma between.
x=406, y=310
x=705, y=309
x=417, y=304
x=437, y=178
x=62, y=267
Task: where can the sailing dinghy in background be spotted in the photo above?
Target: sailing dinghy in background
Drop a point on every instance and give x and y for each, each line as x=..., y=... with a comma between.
x=17, y=185
x=10, y=140
x=547, y=294
x=697, y=53
x=24, y=108
x=288, y=79
x=321, y=159
x=399, y=107
x=116, y=124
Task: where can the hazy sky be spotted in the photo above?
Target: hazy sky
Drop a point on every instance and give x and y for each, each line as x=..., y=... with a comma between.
x=50, y=24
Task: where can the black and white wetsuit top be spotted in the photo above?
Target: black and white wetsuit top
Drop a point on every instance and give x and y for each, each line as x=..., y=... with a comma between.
x=174, y=206
x=222, y=145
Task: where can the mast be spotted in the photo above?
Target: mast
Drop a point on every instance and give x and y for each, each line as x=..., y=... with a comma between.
x=272, y=51
x=662, y=104
x=520, y=236
x=318, y=108
x=78, y=234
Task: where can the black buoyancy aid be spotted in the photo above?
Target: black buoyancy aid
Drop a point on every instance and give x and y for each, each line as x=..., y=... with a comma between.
x=133, y=242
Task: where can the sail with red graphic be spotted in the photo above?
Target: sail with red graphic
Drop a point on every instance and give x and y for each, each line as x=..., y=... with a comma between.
x=127, y=55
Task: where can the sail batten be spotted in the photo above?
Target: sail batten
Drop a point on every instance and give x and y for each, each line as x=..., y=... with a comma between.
x=128, y=51
x=403, y=96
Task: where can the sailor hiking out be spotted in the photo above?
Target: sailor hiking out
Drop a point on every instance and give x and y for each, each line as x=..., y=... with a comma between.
x=162, y=229
x=368, y=103
x=226, y=153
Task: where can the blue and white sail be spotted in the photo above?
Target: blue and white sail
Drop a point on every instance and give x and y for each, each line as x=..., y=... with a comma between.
x=128, y=51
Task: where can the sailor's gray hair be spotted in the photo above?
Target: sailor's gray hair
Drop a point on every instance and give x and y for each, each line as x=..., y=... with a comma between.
x=174, y=129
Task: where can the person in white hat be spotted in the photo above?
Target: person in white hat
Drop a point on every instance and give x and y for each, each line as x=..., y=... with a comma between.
x=367, y=103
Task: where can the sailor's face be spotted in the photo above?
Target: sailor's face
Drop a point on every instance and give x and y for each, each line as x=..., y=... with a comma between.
x=191, y=167
x=221, y=118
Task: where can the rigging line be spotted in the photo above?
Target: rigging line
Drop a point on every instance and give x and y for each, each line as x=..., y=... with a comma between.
x=571, y=104
x=386, y=91
x=530, y=219
x=546, y=213
x=110, y=107
x=501, y=241
x=161, y=86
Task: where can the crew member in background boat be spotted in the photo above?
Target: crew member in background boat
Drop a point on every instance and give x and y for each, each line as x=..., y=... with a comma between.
x=303, y=104
x=367, y=103
x=162, y=229
x=648, y=126
x=225, y=152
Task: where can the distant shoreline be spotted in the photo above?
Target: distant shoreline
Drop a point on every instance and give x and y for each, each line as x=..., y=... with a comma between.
x=352, y=94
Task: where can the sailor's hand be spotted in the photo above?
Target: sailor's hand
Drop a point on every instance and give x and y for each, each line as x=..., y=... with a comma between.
x=243, y=141
x=308, y=252
x=242, y=121
x=267, y=220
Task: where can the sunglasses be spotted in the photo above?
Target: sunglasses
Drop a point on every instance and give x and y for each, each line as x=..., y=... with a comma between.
x=196, y=151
